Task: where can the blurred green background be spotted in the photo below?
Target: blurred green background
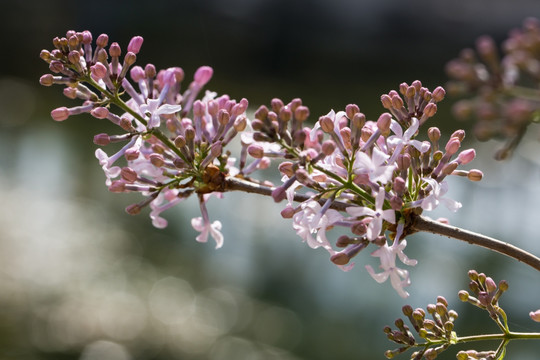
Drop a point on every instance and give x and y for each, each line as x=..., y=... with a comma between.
x=80, y=279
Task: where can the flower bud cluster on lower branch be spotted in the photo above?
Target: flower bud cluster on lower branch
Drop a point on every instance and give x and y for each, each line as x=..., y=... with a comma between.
x=370, y=177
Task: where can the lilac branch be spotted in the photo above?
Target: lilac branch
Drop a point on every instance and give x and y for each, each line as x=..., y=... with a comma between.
x=420, y=223
x=424, y=224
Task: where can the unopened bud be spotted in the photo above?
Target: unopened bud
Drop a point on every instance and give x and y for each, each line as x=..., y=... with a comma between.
x=438, y=94
x=327, y=124
x=301, y=113
x=328, y=147
x=60, y=114
x=287, y=212
x=256, y=151
x=133, y=209
x=46, y=80
x=475, y=175
x=434, y=134
x=100, y=112
x=452, y=146
x=135, y=44
x=240, y=123
x=383, y=123
x=386, y=101
x=102, y=139
x=203, y=75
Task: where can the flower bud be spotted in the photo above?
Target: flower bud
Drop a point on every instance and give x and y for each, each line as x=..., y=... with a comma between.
x=475, y=175
x=203, y=75
x=128, y=174
x=256, y=151
x=327, y=124
x=133, y=209
x=117, y=186
x=102, y=40
x=287, y=212
x=328, y=147
x=135, y=44
x=535, y=315
x=452, y=146
x=98, y=71
x=438, y=94
x=240, y=123
x=46, y=80
x=102, y=139
x=100, y=112
x=383, y=123
x=60, y=114
x=386, y=101
x=301, y=113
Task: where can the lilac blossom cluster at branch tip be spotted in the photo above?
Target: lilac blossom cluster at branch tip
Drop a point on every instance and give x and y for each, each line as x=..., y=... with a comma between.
x=176, y=144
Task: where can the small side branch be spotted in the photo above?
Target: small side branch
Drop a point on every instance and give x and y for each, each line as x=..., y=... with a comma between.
x=424, y=224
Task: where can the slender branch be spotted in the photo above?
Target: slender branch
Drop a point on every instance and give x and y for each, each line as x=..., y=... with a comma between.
x=424, y=224
x=420, y=223
x=237, y=184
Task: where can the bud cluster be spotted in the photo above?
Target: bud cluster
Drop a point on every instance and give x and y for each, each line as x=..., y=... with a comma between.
x=502, y=90
x=174, y=143
x=369, y=177
x=437, y=331
x=485, y=295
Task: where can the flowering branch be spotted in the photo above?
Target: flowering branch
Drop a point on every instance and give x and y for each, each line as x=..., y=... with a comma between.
x=372, y=178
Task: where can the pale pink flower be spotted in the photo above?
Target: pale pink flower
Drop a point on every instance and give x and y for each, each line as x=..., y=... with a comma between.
x=207, y=228
x=436, y=196
x=374, y=167
x=378, y=215
x=400, y=139
x=387, y=255
x=153, y=110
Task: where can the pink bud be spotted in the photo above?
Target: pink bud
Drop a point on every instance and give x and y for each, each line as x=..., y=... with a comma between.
x=328, y=147
x=466, y=156
x=60, y=114
x=46, y=80
x=117, y=186
x=386, y=101
x=115, y=50
x=383, y=123
x=288, y=212
x=100, y=112
x=102, y=40
x=203, y=75
x=475, y=175
x=128, y=174
x=135, y=44
x=133, y=209
x=98, y=71
x=327, y=124
x=102, y=139
x=137, y=73
x=199, y=108
x=535, y=315
x=452, y=146
x=256, y=151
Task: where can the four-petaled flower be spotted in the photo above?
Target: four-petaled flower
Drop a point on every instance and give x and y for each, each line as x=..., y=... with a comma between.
x=387, y=254
x=205, y=227
x=435, y=197
x=373, y=167
x=378, y=215
x=400, y=139
x=153, y=109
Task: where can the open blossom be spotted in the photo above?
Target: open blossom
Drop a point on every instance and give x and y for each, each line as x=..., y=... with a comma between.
x=436, y=196
x=400, y=139
x=155, y=110
x=311, y=221
x=387, y=255
x=374, y=167
x=377, y=215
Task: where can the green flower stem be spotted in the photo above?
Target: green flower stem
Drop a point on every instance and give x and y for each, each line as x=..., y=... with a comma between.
x=511, y=335
x=116, y=100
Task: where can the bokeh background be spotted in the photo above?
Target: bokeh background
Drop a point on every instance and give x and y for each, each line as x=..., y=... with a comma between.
x=80, y=279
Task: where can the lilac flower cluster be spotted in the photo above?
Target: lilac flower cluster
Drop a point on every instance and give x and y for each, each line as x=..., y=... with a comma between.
x=174, y=143
x=370, y=178
x=437, y=331
x=501, y=91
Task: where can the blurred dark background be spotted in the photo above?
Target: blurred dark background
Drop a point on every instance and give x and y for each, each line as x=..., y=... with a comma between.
x=80, y=279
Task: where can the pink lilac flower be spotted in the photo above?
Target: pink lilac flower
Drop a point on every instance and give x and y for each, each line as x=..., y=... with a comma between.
x=375, y=168
x=436, y=196
x=387, y=254
x=154, y=110
x=378, y=215
x=205, y=227
x=400, y=139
